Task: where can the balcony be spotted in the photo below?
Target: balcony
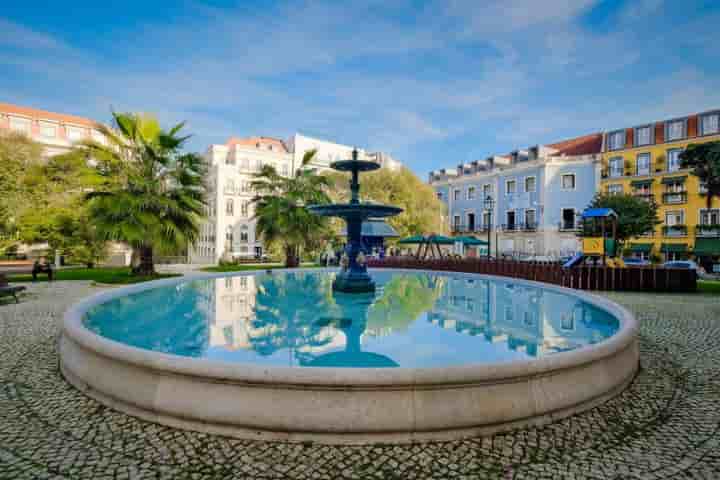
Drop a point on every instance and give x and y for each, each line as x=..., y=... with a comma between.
x=509, y=227
x=568, y=227
x=675, y=231
x=674, y=197
x=519, y=227
x=648, y=197
x=459, y=228
x=707, y=230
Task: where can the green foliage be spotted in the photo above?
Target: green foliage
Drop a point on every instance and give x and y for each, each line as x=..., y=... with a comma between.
x=422, y=210
x=121, y=275
x=704, y=161
x=149, y=194
x=280, y=213
x=635, y=215
x=19, y=157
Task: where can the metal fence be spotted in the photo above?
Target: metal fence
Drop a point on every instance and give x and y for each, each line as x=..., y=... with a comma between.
x=581, y=278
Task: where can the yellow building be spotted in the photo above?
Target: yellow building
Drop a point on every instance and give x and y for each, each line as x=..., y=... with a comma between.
x=644, y=161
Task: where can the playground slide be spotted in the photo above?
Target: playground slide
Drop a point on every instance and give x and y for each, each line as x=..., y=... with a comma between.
x=574, y=261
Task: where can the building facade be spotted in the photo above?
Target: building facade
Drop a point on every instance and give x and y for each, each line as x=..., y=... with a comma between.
x=56, y=132
x=644, y=160
x=229, y=229
x=537, y=196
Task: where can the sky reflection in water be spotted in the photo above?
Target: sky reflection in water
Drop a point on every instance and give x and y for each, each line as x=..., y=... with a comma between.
x=294, y=319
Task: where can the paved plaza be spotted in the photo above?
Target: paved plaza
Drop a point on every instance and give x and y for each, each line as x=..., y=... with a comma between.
x=664, y=426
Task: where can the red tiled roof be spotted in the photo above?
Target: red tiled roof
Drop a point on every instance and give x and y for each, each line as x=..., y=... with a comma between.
x=278, y=145
x=37, y=114
x=584, y=145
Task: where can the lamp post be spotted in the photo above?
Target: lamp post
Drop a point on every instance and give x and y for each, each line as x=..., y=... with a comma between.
x=489, y=205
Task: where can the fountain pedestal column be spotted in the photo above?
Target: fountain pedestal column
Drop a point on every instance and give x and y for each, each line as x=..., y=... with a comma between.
x=353, y=277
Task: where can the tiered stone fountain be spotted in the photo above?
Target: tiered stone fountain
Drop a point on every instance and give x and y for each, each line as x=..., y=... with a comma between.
x=353, y=277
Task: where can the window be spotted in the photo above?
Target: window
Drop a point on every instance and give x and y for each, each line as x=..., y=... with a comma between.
x=675, y=130
x=530, y=219
x=471, y=193
x=245, y=164
x=229, y=186
x=243, y=236
x=229, y=207
x=510, y=187
x=643, y=135
x=616, y=167
x=567, y=181
x=568, y=219
x=471, y=222
x=487, y=190
x=710, y=123
x=244, y=209
x=643, y=164
x=230, y=159
x=673, y=157
x=456, y=195
x=642, y=190
x=285, y=169
x=510, y=220
x=48, y=130
x=616, y=140
x=486, y=219
x=530, y=184
x=710, y=216
x=258, y=164
x=674, y=217
x=21, y=125
x=456, y=221
x=675, y=187
x=615, y=189
x=74, y=133
x=702, y=187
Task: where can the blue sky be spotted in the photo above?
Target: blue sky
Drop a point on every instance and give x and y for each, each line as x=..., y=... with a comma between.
x=434, y=83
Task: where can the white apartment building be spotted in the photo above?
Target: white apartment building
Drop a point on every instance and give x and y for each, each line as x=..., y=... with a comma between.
x=229, y=230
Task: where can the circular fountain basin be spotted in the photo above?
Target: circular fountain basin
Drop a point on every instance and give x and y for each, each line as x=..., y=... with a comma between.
x=428, y=356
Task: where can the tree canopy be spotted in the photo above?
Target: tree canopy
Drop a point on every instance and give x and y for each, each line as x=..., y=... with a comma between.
x=635, y=215
x=280, y=213
x=422, y=212
x=704, y=161
x=150, y=194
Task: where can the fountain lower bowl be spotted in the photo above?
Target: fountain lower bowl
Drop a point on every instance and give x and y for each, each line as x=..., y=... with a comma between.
x=359, y=210
x=345, y=405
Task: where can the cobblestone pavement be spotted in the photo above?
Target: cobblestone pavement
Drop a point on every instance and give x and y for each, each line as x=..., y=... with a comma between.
x=664, y=426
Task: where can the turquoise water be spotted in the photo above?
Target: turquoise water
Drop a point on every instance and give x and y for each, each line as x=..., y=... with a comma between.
x=295, y=319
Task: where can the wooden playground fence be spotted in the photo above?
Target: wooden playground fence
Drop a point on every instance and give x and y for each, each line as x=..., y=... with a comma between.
x=581, y=278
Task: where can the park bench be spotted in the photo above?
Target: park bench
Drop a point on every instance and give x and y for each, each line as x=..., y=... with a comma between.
x=7, y=289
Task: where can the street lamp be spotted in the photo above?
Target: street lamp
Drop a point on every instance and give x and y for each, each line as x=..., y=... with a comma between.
x=489, y=205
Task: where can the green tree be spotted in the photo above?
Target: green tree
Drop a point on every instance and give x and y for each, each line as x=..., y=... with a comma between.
x=635, y=215
x=422, y=212
x=151, y=195
x=704, y=161
x=19, y=157
x=280, y=212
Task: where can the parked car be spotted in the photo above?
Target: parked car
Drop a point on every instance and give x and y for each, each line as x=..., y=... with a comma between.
x=634, y=261
x=700, y=271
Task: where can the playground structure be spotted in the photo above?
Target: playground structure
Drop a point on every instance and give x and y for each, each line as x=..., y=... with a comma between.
x=599, y=241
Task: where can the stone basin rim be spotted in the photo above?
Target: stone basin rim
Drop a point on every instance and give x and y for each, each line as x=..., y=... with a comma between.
x=330, y=377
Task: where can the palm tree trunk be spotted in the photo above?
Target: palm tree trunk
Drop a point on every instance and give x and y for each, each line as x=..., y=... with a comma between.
x=146, y=265
x=291, y=257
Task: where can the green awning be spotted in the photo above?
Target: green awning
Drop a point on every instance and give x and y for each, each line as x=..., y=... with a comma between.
x=674, y=247
x=413, y=239
x=641, y=183
x=680, y=179
x=707, y=246
x=440, y=239
x=470, y=241
x=640, y=247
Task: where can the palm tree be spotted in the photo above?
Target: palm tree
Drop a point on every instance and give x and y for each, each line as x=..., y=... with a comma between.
x=152, y=197
x=704, y=160
x=280, y=213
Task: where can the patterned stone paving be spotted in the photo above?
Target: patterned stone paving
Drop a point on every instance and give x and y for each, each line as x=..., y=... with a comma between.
x=664, y=426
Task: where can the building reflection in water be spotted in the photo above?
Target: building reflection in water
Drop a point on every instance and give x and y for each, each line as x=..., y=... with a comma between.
x=527, y=319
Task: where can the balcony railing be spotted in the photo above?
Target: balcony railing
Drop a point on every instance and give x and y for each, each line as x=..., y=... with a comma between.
x=568, y=227
x=707, y=230
x=468, y=228
x=519, y=227
x=675, y=231
x=674, y=197
x=648, y=197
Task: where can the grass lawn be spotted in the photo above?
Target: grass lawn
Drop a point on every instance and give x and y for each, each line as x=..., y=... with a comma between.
x=119, y=276
x=709, y=286
x=264, y=266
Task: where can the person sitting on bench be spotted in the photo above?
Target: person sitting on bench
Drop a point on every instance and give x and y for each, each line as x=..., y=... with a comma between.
x=42, y=266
